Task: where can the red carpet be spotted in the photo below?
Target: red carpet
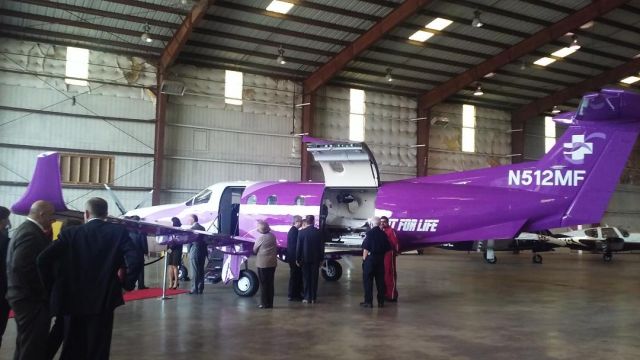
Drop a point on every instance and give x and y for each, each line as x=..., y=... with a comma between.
x=143, y=294
x=150, y=293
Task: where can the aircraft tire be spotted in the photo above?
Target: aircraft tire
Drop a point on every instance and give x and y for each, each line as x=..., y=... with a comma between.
x=247, y=284
x=607, y=257
x=490, y=261
x=183, y=273
x=537, y=259
x=333, y=271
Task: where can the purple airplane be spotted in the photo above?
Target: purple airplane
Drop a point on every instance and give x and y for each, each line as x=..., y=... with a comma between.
x=570, y=185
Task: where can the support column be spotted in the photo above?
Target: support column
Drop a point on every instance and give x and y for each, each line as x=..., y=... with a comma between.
x=158, y=153
x=308, y=115
x=423, y=130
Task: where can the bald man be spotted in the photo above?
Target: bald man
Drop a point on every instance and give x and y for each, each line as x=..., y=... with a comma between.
x=374, y=246
x=25, y=292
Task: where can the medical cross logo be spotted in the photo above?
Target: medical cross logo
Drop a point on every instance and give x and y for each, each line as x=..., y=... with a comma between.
x=579, y=146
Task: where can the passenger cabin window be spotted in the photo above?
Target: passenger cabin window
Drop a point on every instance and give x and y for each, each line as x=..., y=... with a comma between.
x=609, y=233
x=300, y=200
x=591, y=232
x=624, y=232
x=252, y=200
x=202, y=198
x=272, y=200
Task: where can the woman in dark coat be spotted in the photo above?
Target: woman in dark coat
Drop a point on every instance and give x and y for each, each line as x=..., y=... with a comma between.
x=174, y=257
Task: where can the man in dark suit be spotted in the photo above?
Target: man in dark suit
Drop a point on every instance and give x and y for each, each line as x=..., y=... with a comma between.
x=25, y=292
x=295, y=273
x=310, y=254
x=140, y=241
x=87, y=288
x=5, y=225
x=374, y=247
x=197, y=257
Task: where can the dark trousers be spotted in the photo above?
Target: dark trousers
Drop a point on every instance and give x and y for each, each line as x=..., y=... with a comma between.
x=56, y=336
x=33, y=330
x=197, y=273
x=141, y=279
x=4, y=316
x=266, y=276
x=88, y=337
x=295, y=281
x=310, y=272
x=373, y=268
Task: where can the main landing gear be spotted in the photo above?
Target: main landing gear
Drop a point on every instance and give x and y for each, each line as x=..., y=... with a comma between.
x=607, y=257
x=247, y=284
x=537, y=259
x=331, y=270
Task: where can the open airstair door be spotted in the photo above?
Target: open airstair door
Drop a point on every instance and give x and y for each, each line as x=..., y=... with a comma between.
x=345, y=165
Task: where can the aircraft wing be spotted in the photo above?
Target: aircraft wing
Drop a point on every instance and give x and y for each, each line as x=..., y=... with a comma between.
x=167, y=235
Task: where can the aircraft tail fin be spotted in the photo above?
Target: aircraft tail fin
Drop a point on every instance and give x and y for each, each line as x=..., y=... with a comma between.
x=45, y=184
x=581, y=171
x=586, y=163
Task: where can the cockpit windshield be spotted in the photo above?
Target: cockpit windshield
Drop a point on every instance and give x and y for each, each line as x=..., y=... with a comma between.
x=202, y=198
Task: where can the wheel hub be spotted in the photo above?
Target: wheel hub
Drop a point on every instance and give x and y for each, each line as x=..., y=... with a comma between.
x=244, y=284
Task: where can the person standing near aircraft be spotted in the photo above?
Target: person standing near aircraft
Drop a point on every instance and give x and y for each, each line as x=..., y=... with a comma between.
x=197, y=257
x=5, y=225
x=25, y=293
x=140, y=240
x=374, y=246
x=310, y=253
x=266, y=250
x=295, y=273
x=86, y=288
x=390, y=270
x=174, y=258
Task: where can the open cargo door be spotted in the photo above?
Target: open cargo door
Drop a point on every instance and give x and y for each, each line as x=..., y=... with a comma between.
x=344, y=164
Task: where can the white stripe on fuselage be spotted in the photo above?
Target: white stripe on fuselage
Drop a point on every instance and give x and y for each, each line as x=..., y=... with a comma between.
x=255, y=209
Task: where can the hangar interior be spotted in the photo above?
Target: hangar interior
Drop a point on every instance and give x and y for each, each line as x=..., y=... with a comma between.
x=155, y=109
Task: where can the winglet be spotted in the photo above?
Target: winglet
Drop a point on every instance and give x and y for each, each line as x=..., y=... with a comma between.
x=45, y=185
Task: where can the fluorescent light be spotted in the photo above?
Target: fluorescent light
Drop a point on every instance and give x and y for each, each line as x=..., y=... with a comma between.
x=544, y=61
x=438, y=24
x=281, y=7
x=564, y=52
x=421, y=36
x=630, y=80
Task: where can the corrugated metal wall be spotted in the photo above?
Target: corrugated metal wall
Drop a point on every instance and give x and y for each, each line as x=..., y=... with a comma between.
x=492, y=140
x=389, y=132
x=39, y=112
x=208, y=141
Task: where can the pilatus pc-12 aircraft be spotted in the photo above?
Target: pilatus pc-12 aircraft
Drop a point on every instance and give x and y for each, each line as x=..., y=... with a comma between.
x=570, y=185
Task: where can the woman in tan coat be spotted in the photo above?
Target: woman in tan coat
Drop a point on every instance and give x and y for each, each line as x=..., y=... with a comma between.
x=266, y=261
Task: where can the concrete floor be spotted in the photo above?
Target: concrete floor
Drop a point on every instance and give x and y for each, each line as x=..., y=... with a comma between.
x=452, y=306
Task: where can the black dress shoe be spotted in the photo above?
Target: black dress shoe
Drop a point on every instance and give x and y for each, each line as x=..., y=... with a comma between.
x=366, y=304
x=261, y=306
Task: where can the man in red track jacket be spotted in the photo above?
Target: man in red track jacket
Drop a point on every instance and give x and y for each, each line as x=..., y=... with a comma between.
x=390, y=273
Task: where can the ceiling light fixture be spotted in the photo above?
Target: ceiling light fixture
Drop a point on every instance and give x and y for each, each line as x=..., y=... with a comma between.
x=544, y=61
x=438, y=24
x=145, y=35
x=420, y=36
x=388, y=76
x=555, y=110
x=281, y=7
x=630, y=80
x=478, y=91
x=280, y=59
x=575, y=44
x=476, y=22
